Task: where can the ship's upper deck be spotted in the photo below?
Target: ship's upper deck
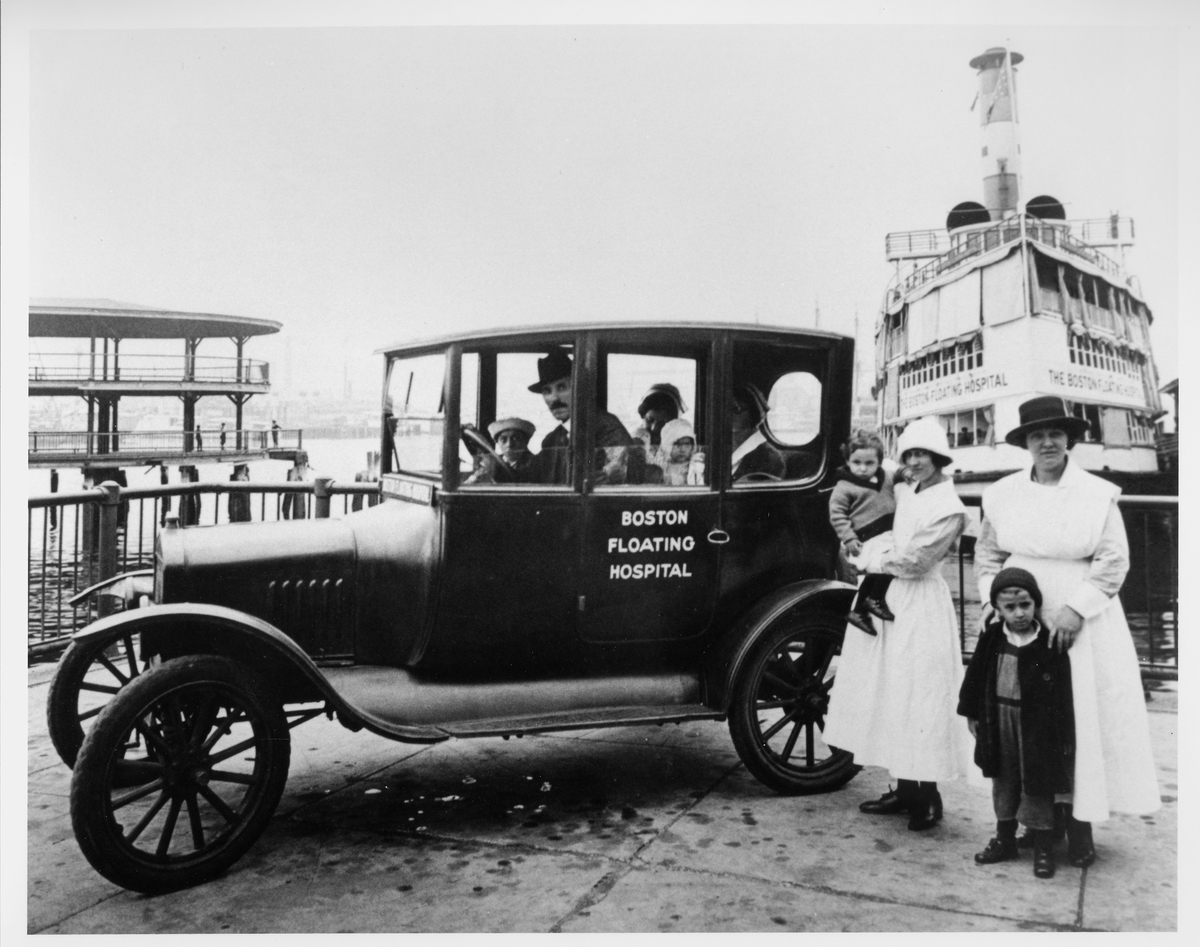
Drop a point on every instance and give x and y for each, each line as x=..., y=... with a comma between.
x=949, y=252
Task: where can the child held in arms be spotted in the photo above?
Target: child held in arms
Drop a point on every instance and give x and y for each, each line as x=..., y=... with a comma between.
x=1016, y=696
x=861, y=509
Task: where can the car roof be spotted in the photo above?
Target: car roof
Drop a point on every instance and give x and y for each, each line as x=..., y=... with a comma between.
x=742, y=328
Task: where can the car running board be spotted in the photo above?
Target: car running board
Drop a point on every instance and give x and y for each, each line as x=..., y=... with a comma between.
x=393, y=699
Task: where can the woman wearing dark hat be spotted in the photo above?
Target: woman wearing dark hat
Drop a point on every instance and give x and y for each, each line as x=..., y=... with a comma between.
x=662, y=403
x=895, y=697
x=1063, y=524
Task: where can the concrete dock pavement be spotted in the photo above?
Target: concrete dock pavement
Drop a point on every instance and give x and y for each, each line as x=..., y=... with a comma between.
x=635, y=829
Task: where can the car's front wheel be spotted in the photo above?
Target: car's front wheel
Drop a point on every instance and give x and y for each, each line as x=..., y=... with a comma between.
x=779, y=700
x=179, y=774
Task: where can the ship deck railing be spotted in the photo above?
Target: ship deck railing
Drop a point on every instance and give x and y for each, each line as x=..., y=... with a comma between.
x=74, y=447
x=59, y=368
x=69, y=547
x=963, y=247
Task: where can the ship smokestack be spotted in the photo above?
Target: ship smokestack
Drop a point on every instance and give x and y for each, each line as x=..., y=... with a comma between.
x=997, y=103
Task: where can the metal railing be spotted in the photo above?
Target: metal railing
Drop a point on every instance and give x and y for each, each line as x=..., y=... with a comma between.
x=90, y=443
x=1150, y=595
x=204, y=369
x=76, y=539
x=966, y=246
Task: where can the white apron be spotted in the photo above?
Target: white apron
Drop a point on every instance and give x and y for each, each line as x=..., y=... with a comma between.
x=894, y=697
x=1053, y=532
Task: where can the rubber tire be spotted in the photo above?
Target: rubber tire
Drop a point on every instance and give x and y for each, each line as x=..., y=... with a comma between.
x=62, y=702
x=817, y=629
x=103, y=755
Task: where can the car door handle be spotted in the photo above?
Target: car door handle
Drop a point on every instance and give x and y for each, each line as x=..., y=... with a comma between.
x=718, y=537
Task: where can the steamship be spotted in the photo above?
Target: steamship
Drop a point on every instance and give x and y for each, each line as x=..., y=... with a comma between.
x=1011, y=302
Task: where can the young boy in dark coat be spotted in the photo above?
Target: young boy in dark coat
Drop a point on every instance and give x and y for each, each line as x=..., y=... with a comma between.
x=1016, y=696
x=861, y=509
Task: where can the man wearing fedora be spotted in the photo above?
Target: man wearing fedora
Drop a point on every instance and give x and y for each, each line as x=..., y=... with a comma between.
x=553, y=464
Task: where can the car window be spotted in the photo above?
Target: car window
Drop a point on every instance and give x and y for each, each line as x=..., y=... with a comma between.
x=513, y=420
x=775, y=413
x=647, y=432
x=795, y=402
x=414, y=409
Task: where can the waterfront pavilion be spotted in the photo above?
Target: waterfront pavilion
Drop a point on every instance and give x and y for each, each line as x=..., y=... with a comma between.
x=102, y=376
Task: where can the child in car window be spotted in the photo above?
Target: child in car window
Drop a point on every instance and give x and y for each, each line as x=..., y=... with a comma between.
x=683, y=464
x=861, y=509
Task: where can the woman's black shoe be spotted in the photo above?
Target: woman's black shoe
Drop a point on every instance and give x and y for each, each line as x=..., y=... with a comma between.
x=890, y=803
x=1043, y=853
x=1080, y=850
x=925, y=813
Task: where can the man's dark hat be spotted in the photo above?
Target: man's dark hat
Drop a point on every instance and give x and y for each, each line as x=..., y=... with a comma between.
x=1045, y=411
x=1015, y=578
x=554, y=366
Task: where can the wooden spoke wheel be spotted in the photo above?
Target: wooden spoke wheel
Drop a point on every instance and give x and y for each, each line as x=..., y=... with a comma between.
x=90, y=672
x=780, y=697
x=179, y=775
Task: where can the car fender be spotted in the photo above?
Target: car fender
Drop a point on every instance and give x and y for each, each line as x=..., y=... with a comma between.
x=724, y=660
x=185, y=628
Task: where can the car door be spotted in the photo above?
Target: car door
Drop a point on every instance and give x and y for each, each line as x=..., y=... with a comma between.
x=648, y=567
x=775, y=512
x=510, y=550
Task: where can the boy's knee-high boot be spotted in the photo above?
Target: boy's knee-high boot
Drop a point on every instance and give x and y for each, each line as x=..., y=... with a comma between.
x=1003, y=847
x=1043, y=853
x=1062, y=816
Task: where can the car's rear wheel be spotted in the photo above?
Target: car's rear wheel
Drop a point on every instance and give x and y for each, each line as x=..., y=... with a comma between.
x=179, y=774
x=89, y=673
x=779, y=700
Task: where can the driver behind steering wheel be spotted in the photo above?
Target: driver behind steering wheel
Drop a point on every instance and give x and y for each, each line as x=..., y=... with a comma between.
x=511, y=438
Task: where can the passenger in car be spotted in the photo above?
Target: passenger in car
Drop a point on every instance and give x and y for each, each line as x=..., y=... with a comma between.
x=511, y=437
x=552, y=465
x=662, y=403
x=753, y=455
x=679, y=455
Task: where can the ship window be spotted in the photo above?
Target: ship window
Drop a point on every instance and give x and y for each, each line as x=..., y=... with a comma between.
x=1091, y=414
x=1140, y=431
x=968, y=427
x=1047, y=278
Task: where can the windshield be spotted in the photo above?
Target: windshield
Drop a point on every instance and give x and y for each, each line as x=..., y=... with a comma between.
x=415, y=409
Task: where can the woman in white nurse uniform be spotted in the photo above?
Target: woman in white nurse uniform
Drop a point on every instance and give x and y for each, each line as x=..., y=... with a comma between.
x=1062, y=524
x=894, y=697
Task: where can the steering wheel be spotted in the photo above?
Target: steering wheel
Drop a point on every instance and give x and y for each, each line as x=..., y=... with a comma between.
x=478, y=443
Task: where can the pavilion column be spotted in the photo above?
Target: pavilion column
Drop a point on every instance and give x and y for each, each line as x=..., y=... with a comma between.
x=189, y=422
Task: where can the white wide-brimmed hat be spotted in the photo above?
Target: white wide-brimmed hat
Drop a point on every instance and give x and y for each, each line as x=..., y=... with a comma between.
x=925, y=434
x=511, y=424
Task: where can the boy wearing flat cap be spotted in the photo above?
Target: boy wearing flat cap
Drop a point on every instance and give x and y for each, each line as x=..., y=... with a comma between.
x=1016, y=696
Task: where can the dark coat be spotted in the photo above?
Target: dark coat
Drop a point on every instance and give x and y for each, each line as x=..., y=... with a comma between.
x=552, y=465
x=1047, y=711
x=765, y=460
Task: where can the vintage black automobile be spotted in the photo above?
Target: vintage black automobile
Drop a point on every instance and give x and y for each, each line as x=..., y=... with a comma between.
x=601, y=580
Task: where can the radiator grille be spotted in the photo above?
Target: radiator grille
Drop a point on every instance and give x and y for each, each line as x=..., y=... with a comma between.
x=314, y=612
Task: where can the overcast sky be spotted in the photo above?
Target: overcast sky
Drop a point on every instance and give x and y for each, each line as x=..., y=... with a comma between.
x=369, y=185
